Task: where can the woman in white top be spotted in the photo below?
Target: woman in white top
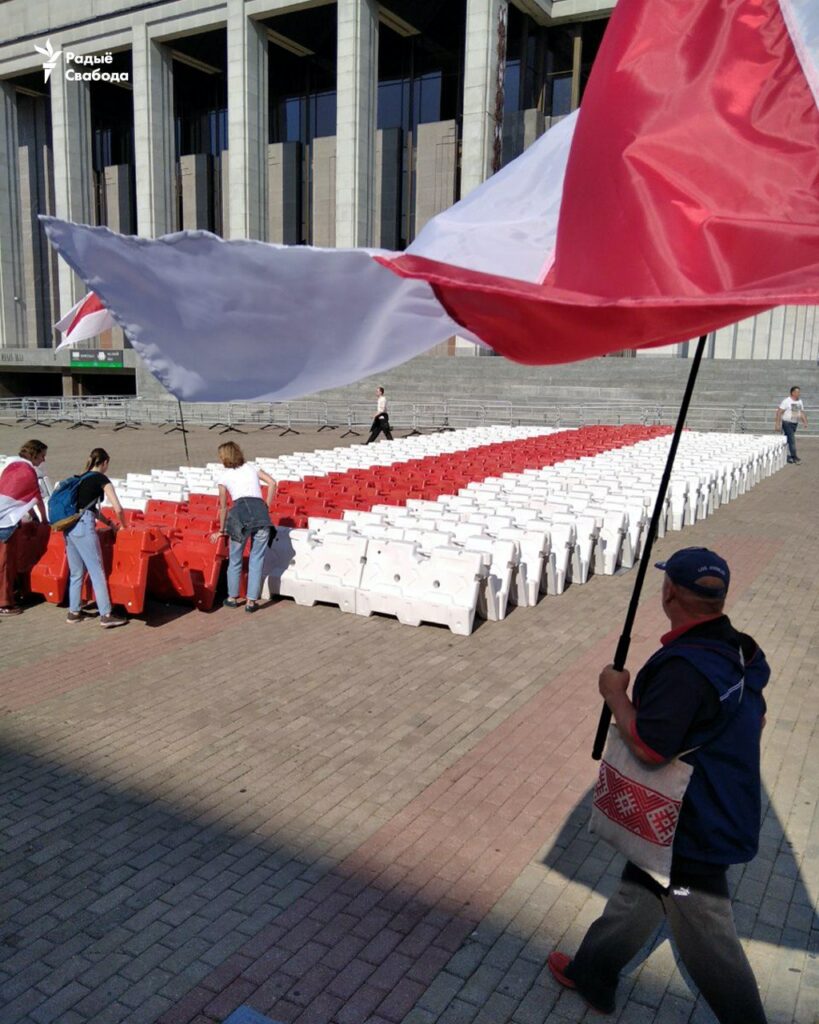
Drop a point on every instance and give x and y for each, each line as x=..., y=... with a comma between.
x=249, y=518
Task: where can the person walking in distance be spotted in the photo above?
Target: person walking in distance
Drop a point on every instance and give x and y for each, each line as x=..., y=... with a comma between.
x=381, y=423
x=698, y=698
x=82, y=543
x=789, y=414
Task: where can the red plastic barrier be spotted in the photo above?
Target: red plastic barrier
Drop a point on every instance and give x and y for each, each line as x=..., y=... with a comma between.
x=132, y=553
x=203, y=561
x=49, y=576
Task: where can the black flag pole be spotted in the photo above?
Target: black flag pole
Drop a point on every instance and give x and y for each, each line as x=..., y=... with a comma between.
x=624, y=642
x=184, y=431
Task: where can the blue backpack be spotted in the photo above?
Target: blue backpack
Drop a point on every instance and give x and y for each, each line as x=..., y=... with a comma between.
x=63, y=505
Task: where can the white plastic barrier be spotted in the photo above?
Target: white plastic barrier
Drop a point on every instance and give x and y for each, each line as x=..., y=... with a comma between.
x=502, y=558
x=324, y=569
x=534, y=545
x=441, y=587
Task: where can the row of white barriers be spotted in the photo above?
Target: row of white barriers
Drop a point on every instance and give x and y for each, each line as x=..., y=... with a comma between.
x=508, y=540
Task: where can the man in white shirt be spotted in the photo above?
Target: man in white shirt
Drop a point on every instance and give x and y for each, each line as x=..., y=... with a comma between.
x=381, y=423
x=789, y=414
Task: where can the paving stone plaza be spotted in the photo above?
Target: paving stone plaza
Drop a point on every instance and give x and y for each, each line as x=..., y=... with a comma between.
x=330, y=819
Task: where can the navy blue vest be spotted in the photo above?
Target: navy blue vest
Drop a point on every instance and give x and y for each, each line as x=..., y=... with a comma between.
x=720, y=816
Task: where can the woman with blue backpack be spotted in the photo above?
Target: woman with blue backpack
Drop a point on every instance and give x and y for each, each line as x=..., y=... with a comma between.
x=82, y=543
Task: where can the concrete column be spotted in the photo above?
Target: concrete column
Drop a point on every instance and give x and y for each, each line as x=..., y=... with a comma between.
x=388, y=152
x=194, y=175
x=73, y=172
x=357, y=81
x=247, y=124
x=284, y=161
x=34, y=198
x=324, y=192
x=577, y=64
x=117, y=185
x=117, y=192
x=436, y=164
x=155, y=151
x=483, y=91
x=12, y=319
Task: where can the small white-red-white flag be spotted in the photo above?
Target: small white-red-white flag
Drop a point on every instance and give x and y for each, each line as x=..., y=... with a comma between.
x=85, y=320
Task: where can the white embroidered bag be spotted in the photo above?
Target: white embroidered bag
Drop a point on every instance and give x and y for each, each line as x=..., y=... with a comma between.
x=636, y=806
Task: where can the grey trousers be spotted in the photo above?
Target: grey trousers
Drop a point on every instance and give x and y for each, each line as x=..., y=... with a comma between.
x=701, y=921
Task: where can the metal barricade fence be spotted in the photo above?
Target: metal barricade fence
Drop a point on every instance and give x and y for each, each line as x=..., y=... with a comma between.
x=355, y=417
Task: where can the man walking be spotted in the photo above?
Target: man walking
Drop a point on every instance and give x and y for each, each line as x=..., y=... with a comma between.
x=789, y=414
x=698, y=697
x=381, y=423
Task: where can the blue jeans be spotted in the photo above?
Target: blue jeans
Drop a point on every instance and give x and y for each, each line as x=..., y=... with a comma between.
x=255, y=564
x=82, y=546
x=789, y=430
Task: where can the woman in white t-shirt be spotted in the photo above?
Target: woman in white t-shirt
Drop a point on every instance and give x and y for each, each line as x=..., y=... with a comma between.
x=249, y=518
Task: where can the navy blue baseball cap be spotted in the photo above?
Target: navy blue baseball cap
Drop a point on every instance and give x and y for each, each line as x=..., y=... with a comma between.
x=687, y=566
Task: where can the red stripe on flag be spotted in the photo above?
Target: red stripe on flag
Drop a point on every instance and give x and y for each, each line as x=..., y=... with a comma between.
x=695, y=163
x=92, y=304
x=19, y=481
x=691, y=197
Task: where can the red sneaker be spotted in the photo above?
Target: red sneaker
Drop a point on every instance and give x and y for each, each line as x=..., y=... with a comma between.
x=557, y=963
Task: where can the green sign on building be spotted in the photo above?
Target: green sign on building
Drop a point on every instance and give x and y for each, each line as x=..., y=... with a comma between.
x=97, y=360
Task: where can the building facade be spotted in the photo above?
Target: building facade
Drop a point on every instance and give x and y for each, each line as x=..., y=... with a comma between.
x=324, y=122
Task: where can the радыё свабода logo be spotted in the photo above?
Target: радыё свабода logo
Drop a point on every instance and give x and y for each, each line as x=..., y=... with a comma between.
x=51, y=58
x=82, y=67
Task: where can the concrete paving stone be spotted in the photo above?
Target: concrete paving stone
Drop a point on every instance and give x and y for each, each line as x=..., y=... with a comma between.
x=50, y=1010
x=441, y=992
x=305, y=957
x=418, y=1016
x=380, y=946
x=182, y=981
x=636, y=1013
x=112, y=1013
x=498, y=1010
x=146, y=936
x=222, y=948
x=504, y=952
x=293, y=891
x=459, y=1012
x=800, y=917
x=306, y=989
x=360, y=1005
x=137, y=967
x=16, y=984
x=467, y=960
x=24, y=1004
x=63, y=975
x=390, y=972
x=400, y=1000
x=519, y=978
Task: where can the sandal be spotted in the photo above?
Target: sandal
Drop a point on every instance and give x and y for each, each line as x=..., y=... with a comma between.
x=252, y=606
x=230, y=602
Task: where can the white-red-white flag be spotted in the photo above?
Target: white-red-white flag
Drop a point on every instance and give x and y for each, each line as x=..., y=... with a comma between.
x=86, y=319
x=684, y=197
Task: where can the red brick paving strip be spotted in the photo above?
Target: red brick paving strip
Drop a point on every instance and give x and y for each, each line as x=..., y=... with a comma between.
x=367, y=939
x=52, y=676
